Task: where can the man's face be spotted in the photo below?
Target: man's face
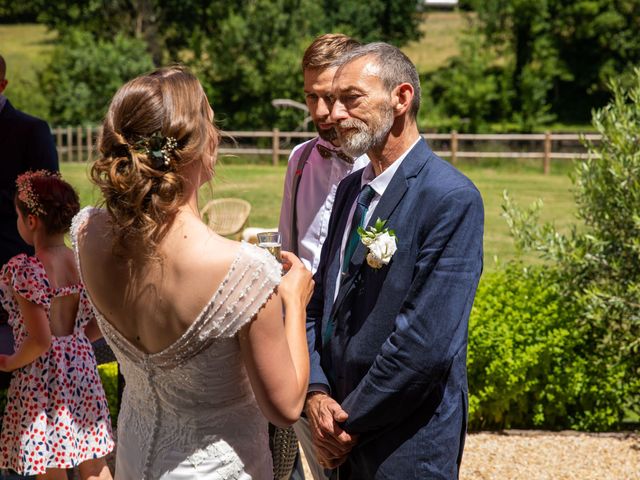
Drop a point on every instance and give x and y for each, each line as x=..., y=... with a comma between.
x=3, y=84
x=317, y=90
x=362, y=110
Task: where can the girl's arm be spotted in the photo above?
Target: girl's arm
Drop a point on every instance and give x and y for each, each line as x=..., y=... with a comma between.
x=38, y=338
x=92, y=331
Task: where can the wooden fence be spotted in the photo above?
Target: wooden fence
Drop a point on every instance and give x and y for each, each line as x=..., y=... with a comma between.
x=77, y=144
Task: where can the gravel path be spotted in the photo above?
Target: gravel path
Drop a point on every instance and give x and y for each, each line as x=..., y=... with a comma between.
x=534, y=455
x=537, y=455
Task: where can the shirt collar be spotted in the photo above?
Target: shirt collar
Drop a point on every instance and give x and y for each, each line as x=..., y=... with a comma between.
x=3, y=102
x=382, y=181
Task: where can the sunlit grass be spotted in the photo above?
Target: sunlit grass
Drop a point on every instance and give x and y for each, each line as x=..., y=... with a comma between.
x=261, y=185
x=442, y=30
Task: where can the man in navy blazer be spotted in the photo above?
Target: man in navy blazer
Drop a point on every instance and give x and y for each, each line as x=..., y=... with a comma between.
x=388, y=388
x=25, y=144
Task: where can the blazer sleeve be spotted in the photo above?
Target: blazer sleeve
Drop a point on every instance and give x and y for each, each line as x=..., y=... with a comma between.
x=431, y=327
x=41, y=152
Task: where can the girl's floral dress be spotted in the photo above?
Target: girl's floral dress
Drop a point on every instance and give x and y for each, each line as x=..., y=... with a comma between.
x=56, y=414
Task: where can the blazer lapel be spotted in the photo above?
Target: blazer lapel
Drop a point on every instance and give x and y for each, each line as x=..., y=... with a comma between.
x=343, y=206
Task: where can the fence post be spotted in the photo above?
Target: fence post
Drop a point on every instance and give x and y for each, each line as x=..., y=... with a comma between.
x=454, y=147
x=59, y=141
x=275, y=147
x=546, y=165
x=79, y=150
x=69, y=144
x=89, y=144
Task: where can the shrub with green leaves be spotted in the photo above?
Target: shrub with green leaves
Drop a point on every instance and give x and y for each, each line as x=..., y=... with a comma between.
x=599, y=261
x=529, y=362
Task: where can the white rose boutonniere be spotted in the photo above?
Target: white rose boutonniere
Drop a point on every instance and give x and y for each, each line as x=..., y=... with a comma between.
x=381, y=243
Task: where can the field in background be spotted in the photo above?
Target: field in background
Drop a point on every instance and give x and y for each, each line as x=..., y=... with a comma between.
x=442, y=30
x=25, y=47
x=261, y=185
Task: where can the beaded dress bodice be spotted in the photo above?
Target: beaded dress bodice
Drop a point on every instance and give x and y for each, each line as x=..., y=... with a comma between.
x=189, y=410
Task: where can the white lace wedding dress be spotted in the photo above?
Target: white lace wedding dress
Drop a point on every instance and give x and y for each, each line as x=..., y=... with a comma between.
x=188, y=412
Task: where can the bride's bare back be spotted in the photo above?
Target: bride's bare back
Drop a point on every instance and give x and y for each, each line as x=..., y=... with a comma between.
x=152, y=303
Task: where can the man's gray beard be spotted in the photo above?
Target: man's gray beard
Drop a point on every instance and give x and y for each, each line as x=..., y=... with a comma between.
x=366, y=136
x=329, y=135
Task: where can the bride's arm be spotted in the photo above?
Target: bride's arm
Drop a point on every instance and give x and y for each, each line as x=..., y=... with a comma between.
x=275, y=352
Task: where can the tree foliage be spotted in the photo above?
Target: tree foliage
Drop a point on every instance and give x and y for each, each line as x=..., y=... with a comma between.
x=255, y=58
x=601, y=260
x=392, y=21
x=247, y=52
x=84, y=73
x=563, y=53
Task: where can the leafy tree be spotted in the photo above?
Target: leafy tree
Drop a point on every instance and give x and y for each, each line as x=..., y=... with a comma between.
x=601, y=261
x=84, y=73
x=562, y=53
x=246, y=52
x=467, y=91
x=393, y=21
x=17, y=12
x=256, y=58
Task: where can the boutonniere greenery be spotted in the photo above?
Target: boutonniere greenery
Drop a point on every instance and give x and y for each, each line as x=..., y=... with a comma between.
x=381, y=243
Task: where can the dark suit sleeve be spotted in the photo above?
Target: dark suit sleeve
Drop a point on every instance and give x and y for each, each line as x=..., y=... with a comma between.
x=41, y=151
x=431, y=328
x=314, y=330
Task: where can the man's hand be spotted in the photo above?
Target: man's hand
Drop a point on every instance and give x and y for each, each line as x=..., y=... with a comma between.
x=332, y=443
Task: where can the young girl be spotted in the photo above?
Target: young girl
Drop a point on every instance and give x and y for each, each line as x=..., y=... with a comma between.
x=56, y=415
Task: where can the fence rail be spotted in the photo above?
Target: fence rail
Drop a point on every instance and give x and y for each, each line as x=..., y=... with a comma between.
x=78, y=144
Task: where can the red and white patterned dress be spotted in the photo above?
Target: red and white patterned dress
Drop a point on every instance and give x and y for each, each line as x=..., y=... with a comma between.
x=56, y=414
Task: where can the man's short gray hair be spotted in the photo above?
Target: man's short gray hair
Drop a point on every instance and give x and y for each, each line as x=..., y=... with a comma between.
x=394, y=68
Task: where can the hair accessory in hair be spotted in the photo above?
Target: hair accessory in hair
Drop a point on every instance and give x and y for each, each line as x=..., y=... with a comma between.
x=25, y=190
x=158, y=148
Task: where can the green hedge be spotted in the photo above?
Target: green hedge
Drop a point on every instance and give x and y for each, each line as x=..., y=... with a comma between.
x=530, y=364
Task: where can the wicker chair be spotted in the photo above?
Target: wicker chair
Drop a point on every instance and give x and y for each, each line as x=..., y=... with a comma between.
x=226, y=216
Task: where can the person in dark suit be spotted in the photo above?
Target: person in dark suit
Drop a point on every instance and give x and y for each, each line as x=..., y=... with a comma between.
x=26, y=143
x=387, y=324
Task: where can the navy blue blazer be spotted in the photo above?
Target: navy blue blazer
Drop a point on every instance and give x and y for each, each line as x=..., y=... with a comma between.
x=26, y=143
x=394, y=355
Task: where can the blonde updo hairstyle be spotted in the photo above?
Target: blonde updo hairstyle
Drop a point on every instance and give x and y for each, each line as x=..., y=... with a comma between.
x=142, y=196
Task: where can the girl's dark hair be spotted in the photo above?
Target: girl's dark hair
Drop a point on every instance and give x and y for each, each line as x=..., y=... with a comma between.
x=51, y=199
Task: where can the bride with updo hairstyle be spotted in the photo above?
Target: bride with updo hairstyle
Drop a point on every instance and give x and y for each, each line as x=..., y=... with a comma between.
x=195, y=320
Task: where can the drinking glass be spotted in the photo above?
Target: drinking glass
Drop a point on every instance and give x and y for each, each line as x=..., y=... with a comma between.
x=272, y=242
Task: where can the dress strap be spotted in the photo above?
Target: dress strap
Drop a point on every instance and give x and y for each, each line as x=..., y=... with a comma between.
x=67, y=290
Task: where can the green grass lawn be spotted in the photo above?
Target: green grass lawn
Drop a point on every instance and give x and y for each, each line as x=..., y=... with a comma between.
x=261, y=185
